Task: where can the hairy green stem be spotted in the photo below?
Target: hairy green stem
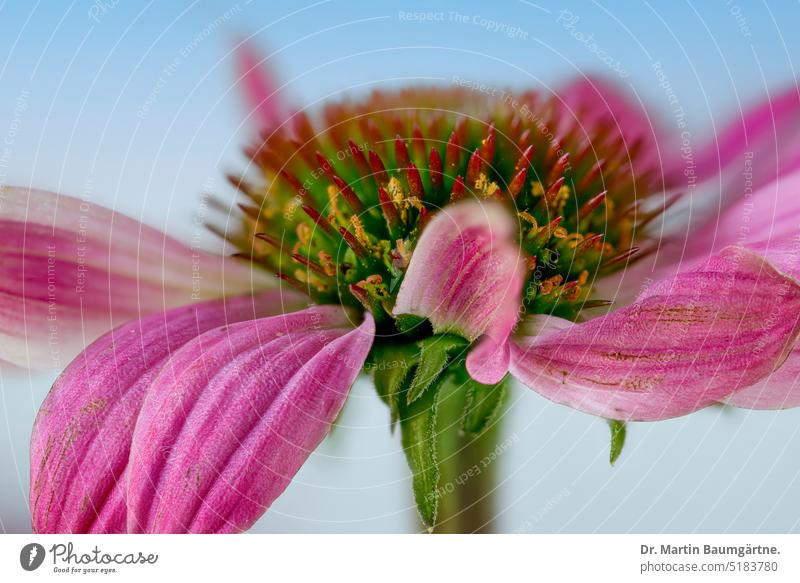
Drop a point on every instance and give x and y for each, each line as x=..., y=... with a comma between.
x=467, y=465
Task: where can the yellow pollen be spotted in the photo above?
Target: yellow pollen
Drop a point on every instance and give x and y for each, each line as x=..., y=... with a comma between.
x=486, y=187
x=549, y=284
x=360, y=233
x=573, y=240
x=526, y=216
x=333, y=198
x=560, y=233
x=415, y=202
x=537, y=189
x=403, y=253
x=572, y=294
x=303, y=233
x=395, y=190
x=327, y=263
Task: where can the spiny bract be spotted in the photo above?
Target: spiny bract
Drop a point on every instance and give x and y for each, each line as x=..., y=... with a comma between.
x=337, y=204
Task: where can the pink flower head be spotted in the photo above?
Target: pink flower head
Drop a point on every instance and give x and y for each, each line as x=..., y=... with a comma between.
x=434, y=236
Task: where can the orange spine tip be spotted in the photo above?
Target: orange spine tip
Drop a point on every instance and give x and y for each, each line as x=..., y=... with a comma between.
x=591, y=176
x=388, y=208
x=400, y=153
x=359, y=159
x=319, y=220
x=269, y=239
x=452, y=154
x=435, y=169
x=524, y=159
x=415, y=186
x=488, y=145
x=552, y=191
x=312, y=265
x=518, y=182
x=348, y=194
x=559, y=168
x=458, y=189
x=474, y=167
x=625, y=255
x=590, y=205
x=295, y=184
x=524, y=141
x=378, y=169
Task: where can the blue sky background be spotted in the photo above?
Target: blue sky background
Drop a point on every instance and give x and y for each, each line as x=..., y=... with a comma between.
x=93, y=101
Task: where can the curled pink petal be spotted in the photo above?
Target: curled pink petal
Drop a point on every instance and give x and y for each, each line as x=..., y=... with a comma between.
x=466, y=272
x=70, y=270
x=234, y=414
x=488, y=362
x=82, y=436
x=684, y=344
x=259, y=87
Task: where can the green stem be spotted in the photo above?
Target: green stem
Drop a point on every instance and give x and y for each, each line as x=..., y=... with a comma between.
x=468, y=467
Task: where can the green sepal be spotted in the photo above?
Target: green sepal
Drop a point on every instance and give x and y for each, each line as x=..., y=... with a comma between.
x=434, y=354
x=483, y=402
x=391, y=365
x=408, y=322
x=419, y=439
x=618, y=432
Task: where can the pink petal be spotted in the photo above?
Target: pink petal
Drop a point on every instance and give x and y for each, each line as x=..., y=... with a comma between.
x=235, y=413
x=771, y=213
x=82, y=436
x=779, y=390
x=70, y=270
x=685, y=343
x=488, y=362
x=260, y=87
x=767, y=134
x=466, y=273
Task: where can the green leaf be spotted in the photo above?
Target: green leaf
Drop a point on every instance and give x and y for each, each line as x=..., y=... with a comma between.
x=434, y=355
x=418, y=433
x=617, y=439
x=391, y=365
x=482, y=404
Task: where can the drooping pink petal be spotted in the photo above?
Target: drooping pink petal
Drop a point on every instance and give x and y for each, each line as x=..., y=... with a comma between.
x=82, y=436
x=778, y=390
x=763, y=142
x=684, y=344
x=234, y=414
x=466, y=276
x=781, y=388
x=771, y=213
x=70, y=270
x=259, y=86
